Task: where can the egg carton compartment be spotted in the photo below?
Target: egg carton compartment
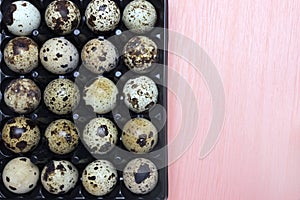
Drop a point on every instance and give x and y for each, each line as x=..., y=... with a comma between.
x=80, y=157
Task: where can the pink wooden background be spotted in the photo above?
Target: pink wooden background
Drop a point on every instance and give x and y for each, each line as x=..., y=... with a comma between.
x=256, y=46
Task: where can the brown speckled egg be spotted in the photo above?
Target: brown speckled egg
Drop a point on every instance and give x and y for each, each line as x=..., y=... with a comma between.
x=62, y=136
x=140, y=94
x=139, y=16
x=100, y=135
x=21, y=55
x=99, y=56
x=21, y=18
x=102, y=15
x=139, y=54
x=139, y=135
x=20, y=175
x=22, y=95
x=20, y=134
x=59, y=56
x=101, y=95
x=99, y=177
x=61, y=96
x=59, y=177
x=140, y=176
x=62, y=16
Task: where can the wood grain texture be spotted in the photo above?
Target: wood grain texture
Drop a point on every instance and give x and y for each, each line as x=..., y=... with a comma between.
x=256, y=47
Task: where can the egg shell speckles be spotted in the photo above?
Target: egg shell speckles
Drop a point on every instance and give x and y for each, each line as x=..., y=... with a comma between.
x=139, y=54
x=21, y=18
x=100, y=135
x=20, y=134
x=139, y=16
x=59, y=56
x=140, y=176
x=62, y=136
x=101, y=95
x=21, y=55
x=22, y=95
x=99, y=56
x=58, y=177
x=139, y=135
x=61, y=96
x=140, y=94
x=99, y=177
x=102, y=15
x=62, y=16
x=20, y=175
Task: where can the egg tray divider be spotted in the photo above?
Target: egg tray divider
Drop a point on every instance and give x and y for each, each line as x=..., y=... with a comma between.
x=80, y=157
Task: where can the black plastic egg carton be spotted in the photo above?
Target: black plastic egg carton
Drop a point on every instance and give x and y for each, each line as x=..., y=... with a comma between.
x=80, y=157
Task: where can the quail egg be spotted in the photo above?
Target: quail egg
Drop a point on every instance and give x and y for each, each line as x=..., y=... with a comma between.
x=101, y=95
x=20, y=134
x=59, y=56
x=20, y=175
x=139, y=54
x=100, y=135
x=59, y=177
x=21, y=55
x=99, y=56
x=62, y=16
x=99, y=177
x=140, y=176
x=139, y=16
x=139, y=135
x=21, y=18
x=62, y=136
x=102, y=15
x=140, y=94
x=22, y=95
x=61, y=96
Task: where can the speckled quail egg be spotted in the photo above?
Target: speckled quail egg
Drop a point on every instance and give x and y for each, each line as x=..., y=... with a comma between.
x=139, y=54
x=140, y=94
x=62, y=16
x=62, y=136
x=99, y=56
x=61, y=96
x=139, y=135
x=100, y=135
x=99, y=177
x=59, y=177
x=21, y=55
x=102, y=15
x=139, y=16
x=101, y=95
x=59, y=56
x=20, y=175
x=140, y=176
x=20, y=134
x=21, y=18
x=22, y=95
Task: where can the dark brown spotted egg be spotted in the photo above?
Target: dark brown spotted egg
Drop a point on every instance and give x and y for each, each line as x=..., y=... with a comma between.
x=61, y=96
x=59, y=177
x=22, y=95
x=62, y=136
x=21, y=55
x=20, y=134
x=99, y=177
x=20, y=175
x=139, y=54
x=139, y=16
x=139, y=135
x=140, y=176
x=102, y=15
x=62, y=16
x=59, y=56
